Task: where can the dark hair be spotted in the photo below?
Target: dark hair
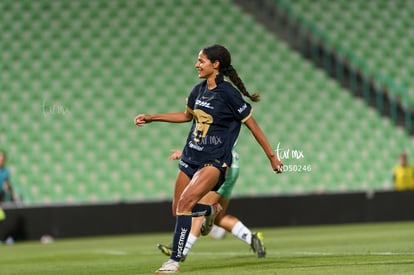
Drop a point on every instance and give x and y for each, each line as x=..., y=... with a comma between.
x=221, y=54
x=3, y=152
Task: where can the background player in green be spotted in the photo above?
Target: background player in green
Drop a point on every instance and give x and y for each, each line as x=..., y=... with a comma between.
x=226, y=221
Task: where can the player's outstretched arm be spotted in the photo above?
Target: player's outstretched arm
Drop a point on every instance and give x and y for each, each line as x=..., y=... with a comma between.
x=178, y=117
x=264, y=143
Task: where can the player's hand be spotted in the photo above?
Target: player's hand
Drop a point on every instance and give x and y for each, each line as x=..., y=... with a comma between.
x=141, y=119
x=277, y=165
x=175, y=154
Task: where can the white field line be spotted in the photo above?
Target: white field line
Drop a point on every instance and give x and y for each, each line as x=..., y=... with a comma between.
x=374, y=253
x=293, y=253
x=111, y=252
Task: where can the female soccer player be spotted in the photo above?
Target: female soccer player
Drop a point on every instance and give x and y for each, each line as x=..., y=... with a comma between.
x=226, y=221
x=217, y=111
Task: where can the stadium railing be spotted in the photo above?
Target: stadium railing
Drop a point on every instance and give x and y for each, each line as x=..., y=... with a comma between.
x=344, y=64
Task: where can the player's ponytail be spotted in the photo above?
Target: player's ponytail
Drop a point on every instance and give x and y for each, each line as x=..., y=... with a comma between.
x=219, y=53
x=231, y=73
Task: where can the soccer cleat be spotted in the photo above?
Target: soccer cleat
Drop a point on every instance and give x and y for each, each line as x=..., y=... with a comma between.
x=209, y=220
x=168, y=267
x=257, y=244
x=167, y=251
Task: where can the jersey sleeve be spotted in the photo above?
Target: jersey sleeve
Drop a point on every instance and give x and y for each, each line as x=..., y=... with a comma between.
x=240, y=108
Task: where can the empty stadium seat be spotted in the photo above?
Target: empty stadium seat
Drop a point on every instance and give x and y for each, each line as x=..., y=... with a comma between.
x=378, y=32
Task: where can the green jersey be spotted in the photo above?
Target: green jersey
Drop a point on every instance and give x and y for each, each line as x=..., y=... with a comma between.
x=231, y=178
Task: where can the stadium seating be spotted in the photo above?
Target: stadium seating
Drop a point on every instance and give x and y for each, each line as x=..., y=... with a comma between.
x=75, y=73
x=377, y=32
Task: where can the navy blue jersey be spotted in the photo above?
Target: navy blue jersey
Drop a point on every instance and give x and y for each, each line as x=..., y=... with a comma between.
x=218, y=115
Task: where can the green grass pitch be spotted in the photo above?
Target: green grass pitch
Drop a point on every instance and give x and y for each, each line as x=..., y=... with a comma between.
x=383, y=248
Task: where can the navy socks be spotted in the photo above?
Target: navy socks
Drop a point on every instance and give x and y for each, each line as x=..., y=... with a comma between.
x=183, y=227
x=201, y=210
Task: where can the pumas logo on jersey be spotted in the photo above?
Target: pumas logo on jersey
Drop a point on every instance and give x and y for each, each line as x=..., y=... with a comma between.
x=242, y=108
x=204, y=104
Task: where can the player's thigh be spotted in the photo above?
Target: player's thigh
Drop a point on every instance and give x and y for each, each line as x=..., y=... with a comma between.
x=202, y=182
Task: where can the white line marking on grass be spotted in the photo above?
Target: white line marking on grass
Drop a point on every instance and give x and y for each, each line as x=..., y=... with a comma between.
x=313, y=253
x=227, y=253
x=112, y=252
x=205, y=253
x=391, y=253
x=287, y=254
x=379, y=253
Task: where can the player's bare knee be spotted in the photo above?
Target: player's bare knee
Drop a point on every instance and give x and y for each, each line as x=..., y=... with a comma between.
x=186, y=204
